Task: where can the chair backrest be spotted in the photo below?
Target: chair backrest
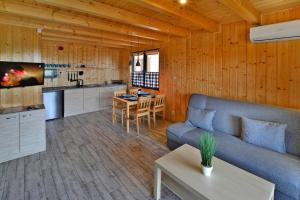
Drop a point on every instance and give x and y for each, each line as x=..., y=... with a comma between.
x=133, y=91
x=159, y=100
x=119, y=92
x=144, y=104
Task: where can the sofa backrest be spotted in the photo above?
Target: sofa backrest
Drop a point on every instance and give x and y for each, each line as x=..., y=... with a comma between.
x=229, y=113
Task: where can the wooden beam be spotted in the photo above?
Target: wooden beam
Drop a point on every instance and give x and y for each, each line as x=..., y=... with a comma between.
x=54, y=15
x=16, y=20
x=117, y=14
x=83, y=42
x=173, y=8
x=244, y=9
x=83, y=38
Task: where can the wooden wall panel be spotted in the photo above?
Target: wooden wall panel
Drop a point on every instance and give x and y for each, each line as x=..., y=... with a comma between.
x=25, y=44
x=19, y=44
x=102, y=64
x=227, y=64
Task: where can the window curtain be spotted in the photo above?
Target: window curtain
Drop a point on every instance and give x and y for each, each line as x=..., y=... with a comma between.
x=152, y=79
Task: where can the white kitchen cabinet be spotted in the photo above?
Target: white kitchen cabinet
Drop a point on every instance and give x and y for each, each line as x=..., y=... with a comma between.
x=73, y=102
x=106, y=94
x=9, y=133
x=84, y=100
x=91, y=100
x=22, y=133
x=32, y=131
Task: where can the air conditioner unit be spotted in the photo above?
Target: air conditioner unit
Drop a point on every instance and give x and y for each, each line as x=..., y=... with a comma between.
x=275, y=32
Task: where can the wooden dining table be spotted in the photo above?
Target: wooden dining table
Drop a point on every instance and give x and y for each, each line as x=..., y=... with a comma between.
x=128, y=103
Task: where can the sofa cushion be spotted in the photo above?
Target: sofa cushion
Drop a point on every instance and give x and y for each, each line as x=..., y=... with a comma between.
x=281, y=169
x=269, y=135
x=175, y=131
x=192, y=137
x=198, y=101
x=201, y=118
x=229, y=113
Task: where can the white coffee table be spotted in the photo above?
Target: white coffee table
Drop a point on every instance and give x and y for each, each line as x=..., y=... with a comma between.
x=180, y=171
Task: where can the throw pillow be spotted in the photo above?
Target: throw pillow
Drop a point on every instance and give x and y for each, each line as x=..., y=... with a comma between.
x=201, y=118
x=269, y=135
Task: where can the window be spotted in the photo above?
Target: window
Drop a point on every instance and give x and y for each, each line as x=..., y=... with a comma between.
x=145, y=69
x=139, y=58
x=152, y=61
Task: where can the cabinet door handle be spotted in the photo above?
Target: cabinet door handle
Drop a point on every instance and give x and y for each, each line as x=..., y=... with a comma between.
x=29, y=115
x=10, y=118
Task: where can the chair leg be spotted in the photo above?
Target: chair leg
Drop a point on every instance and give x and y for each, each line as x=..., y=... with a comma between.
x=154, y=119
x=137, y=126
x=122, y=117
x=149, y=121
x=164, y=114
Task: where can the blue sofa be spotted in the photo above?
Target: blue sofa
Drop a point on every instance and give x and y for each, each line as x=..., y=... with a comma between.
x=283, y=169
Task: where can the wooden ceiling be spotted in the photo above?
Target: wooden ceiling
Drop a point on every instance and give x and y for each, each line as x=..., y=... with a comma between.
x=129, y=23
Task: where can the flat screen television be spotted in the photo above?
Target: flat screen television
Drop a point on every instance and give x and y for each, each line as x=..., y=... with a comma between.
x=21, y=74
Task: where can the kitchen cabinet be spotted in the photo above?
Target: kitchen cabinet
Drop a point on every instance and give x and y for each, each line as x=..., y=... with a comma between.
x=73, y=102
x=32, y=139
x=9, y=133
x=91, y=100
x=22, y=133
x=106, y=94
x=85, y=100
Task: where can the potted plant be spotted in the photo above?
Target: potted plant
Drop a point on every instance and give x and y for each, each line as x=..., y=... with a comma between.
x=207, y=147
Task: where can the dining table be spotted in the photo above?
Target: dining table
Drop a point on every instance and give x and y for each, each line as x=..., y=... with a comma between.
x=130, y=101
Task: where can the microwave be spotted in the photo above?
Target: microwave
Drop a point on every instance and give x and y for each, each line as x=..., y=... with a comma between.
x=51, y=73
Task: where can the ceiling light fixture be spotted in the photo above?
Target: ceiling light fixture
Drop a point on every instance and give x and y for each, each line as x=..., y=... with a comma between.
x=182, y=2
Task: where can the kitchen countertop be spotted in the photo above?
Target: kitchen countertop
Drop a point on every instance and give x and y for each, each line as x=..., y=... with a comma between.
x=21, y=109
x=50, y=89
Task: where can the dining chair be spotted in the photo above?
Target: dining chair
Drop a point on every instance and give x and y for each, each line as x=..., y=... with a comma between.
x=119, y=106
x=133, y=91
x=157, y=106
x=142, y=109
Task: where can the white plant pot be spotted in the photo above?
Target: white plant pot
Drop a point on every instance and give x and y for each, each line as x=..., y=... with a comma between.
x=206, y=170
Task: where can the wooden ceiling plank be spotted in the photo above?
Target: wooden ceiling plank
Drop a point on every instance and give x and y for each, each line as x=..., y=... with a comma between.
x=59, y=39
x=78, y=37
x=199, y=20
x=53, y=15
x=9, y=19
x=117, y=14
x=244, y=9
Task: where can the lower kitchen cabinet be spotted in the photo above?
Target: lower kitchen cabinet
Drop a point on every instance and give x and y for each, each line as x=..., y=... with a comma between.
x=91, y=99
x=9, y=133
x=22, y=134
x=106, y=94
x=73, y=102
x=31, y=137
x=84, y=100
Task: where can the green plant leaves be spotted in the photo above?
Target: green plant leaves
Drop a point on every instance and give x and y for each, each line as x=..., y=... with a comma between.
x=207, y=147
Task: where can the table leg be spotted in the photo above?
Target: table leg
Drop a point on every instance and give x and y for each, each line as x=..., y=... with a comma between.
x=157, y=183
x=127, y=118
x=272, y=197
x=113, y=112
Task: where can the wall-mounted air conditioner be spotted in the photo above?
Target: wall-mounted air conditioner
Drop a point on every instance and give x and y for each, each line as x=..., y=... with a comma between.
x=275, y=32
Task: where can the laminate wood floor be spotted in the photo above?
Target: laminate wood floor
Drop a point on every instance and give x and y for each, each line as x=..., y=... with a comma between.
x=88, y=158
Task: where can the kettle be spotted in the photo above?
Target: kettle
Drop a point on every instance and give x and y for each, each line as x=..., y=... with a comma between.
x=79, y=83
